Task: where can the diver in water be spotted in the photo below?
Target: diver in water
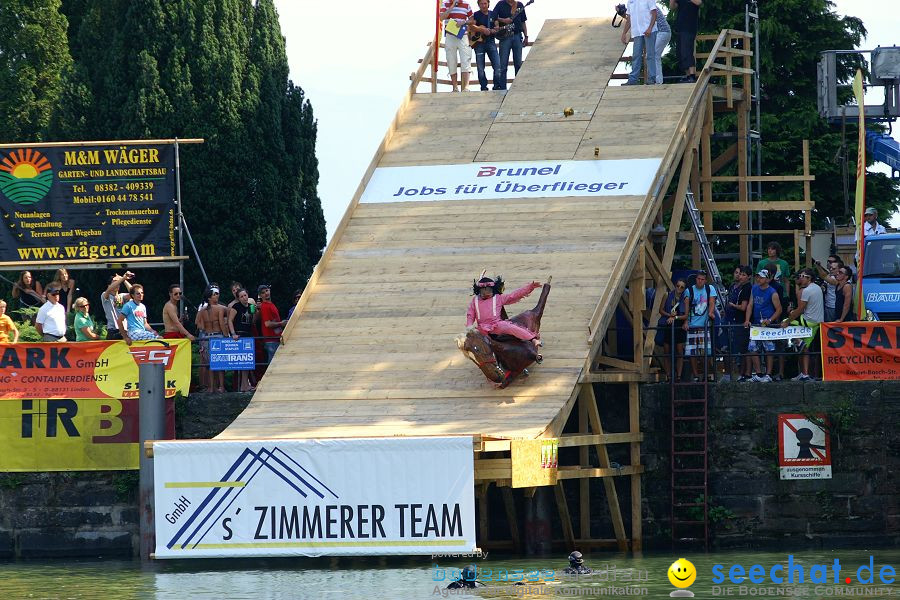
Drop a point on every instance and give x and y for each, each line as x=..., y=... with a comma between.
x=576, y=565
x=466, y=580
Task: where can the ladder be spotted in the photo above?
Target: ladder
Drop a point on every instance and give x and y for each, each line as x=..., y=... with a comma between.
x=706, y=254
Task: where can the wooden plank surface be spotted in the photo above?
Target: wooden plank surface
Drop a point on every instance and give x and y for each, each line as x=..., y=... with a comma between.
x=372, y=350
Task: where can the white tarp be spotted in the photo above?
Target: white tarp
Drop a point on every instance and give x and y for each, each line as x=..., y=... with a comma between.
x=491, y=181
x=314, y=497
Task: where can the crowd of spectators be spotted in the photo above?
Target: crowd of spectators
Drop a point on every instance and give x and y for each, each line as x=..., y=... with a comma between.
x=702, y=326
x=60, y=312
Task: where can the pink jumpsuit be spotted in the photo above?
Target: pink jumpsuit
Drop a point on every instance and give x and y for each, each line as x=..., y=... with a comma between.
x=487, y=313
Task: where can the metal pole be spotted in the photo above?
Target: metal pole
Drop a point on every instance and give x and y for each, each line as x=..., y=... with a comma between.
x=180, y=226
x=196, y=254
x=152, y=417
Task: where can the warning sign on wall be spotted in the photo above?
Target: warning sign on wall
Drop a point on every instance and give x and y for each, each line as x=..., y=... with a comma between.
x=804, y=447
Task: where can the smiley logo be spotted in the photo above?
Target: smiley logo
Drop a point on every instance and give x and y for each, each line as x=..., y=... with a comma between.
x=682, y=573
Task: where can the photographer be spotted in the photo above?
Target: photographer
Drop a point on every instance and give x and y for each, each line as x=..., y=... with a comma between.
x=641, y=24
x=112, y=302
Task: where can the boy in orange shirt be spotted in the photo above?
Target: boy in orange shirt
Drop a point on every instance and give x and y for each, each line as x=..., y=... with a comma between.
x=7, y=326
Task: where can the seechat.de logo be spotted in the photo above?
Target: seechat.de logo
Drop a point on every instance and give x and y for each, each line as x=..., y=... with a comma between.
x=152, y=355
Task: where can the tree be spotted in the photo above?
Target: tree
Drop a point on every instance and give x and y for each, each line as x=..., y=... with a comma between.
x=33, y=56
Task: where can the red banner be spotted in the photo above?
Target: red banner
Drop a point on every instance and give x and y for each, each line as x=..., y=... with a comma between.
x=89, y=369
x=859, y=351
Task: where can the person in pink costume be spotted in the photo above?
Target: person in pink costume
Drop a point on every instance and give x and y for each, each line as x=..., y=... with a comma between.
x=487, y=304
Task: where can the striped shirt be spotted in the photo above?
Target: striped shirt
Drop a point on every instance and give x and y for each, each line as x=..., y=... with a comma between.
x=462, y=11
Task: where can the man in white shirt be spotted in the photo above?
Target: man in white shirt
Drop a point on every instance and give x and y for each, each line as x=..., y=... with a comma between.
x=642, y=16
x=871, y=225
x=810, y=312
x=51, y=318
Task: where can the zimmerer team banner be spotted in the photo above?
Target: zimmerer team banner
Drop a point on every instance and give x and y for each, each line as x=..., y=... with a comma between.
x=74, y=407
x=314, y=497
x=865, y=350
x=493, y=181
x=87, y=202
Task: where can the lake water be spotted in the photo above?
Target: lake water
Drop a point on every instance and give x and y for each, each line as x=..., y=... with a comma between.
x=414, y=578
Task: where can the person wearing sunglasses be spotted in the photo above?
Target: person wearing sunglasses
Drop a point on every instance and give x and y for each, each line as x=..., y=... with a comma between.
x=84, y=325
x=173, y=328
x=51, y=318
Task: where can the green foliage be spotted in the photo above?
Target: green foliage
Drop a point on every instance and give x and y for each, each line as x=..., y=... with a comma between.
x=792, y=34
x=33, y=57
x=715, y=513
x=11, y=481
x=126, y=484
x=188, y=69
x=27, y=332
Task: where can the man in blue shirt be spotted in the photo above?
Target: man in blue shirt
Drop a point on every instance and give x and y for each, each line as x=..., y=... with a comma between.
x=484, y=27
x=700, y=307
x=763, y=309
x=511, y=12
x=133, y=319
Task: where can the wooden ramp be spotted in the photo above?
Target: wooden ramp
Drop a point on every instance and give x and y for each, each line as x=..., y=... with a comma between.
x=370, y=350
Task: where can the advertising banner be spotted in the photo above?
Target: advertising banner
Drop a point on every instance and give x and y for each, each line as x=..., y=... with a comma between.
x=68, y=203
x=89, y=369
x=537, y=179
x=804, y=447
x=780, y=333
x=226, y=354
x=72, y=434
x=861, y=351
x=369, y=496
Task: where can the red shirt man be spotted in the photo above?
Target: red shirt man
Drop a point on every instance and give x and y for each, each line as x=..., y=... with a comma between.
x=271, y=323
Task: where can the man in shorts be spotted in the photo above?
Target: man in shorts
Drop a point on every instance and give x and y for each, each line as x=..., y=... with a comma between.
x=763, y=309
x=810, y=312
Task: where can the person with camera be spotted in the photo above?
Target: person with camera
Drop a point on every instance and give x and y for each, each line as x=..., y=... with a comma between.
x=112, y=302
x=511, y=18
x=663, y=35
x=642, y=29
x=687, y=22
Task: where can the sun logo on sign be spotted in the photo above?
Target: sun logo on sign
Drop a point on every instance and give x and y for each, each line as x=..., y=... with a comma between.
x=25, y=176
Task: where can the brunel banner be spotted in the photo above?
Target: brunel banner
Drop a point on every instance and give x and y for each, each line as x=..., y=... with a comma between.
x=314, y=497
x=107, y=202
x=89, y=369
x=860, y=351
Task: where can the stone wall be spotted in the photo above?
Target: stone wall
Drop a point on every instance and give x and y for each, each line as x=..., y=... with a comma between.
x=751, y=507
x=94, y=513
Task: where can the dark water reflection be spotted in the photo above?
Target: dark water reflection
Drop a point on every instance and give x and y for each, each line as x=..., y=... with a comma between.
x=413, y=578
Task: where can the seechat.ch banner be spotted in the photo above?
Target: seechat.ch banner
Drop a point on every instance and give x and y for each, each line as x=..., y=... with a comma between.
x=87, y=202
x=89, y=369
x=861, y=351
x=312, y=497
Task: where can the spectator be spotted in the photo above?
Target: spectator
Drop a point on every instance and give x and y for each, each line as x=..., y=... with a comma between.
x=871, y=225
x=738, y=337
x=781, y=275
x=7, y=326
x=297, y=295
x=173, y=328
x=66, y=287
x=482, y=25
x=272, y=324
x=84, y=325
x=763, y=309
x=686, y=22
x=133, y=319
x=213, y=322
x=28, y=292
x=51, y=318
x=663, y=35
x=829, y=276
x=457, y=49
x=641, y=25
x=786, y=304
x=700, y=308
x=241, y=316
x=844, y=295
x=112, y=302
x=669, y=331
x=236, y=287
x=511, y=12
x=810, y=312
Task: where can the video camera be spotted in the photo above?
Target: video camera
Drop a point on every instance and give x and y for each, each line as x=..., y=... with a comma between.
x=621, y=12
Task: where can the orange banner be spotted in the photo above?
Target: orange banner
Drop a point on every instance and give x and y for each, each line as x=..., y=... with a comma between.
x=96, y=370
x=858, y=351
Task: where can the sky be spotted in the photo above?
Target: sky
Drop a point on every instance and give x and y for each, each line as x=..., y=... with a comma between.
x=355, y=71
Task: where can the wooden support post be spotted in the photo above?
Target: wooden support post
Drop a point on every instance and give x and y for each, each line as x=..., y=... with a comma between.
x=612, y=497
x=678, y=207
x=509, y=504
x=483, y=512
x=743, y=115
x=584, y=487
x=634, y=426
x=706, y=170
x=636, y=305
x=564, y=516
x=695, y=189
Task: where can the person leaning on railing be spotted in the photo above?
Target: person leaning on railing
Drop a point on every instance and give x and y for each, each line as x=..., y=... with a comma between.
x=668, y=329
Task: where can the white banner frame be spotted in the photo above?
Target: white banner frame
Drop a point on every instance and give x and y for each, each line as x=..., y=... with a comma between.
x=315, y=497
